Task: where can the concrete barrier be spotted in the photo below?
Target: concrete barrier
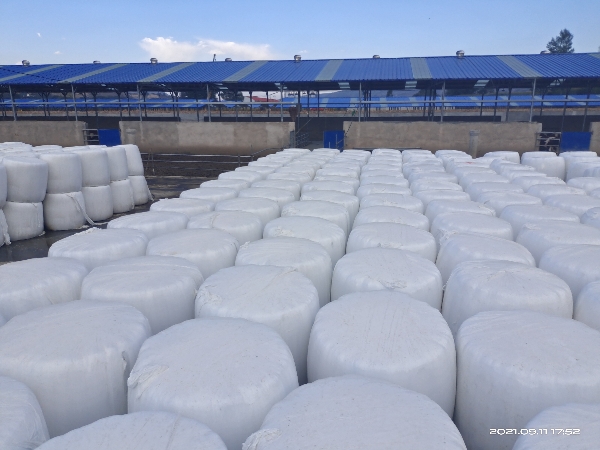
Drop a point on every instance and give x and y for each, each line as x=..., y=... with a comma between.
x=240, y=138
x=512, y=136
x=34, y=132
x=595, y=141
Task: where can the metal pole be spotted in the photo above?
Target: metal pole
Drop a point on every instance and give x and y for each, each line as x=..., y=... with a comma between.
x=197, y=110
x=481, y=104
x=562, y=125
x=586, y=107
x=12, y=102
x=359, y=99
x=139, y=100
x=268, y=105
x=74, y=103
x=251, y=108
x=532, y=100
x=496, y=104
x=281, y=101
x=508, y=104
x=442, y=105
x=208, y=102
x=318, y=103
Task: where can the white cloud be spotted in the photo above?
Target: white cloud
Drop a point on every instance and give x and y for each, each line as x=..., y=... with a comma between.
x=169, y=50
x=39, y=34
x=57, y=52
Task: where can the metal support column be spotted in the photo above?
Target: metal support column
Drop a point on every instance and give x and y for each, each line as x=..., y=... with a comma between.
x=532, y=100
x=75, y=103
x=481, y=104
x=139, y=100
x=508, y=104
x=268, y=104
x=251, y=108
x=589, y=92
x=496, y=104
x=281, y=101
x=562, y=124
x=318, y=103
x=359, y=100
x=12, y=103
x=442, y=104
x=208, y=103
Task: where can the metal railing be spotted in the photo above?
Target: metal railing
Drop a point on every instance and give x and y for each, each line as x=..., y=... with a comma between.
x=548, y=141
x=90, y=136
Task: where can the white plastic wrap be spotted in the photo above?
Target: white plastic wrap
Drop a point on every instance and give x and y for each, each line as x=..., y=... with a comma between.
x=188, y=206
x=336, y=172
x=304, y=169
x=481, y=177
x=135, y=166
x=279, y=297
x=338, y=186
x=164, y=294
x=168, y=262
x=394, y=181
x=591, y=217
x=461, y=247
x=519, y=215
x=435, y=176
x=226, y=369
x=291, y=186
x=122, y=195
x=248, y=176
x=64, y=172
x=117, y=163
x=521, y=362
x=393, y=235
x=64, y=211
x=350, y=202
x=500, y=200
x=244, y=226
x=73, y=351
x=391, y=214
x=467, y=222
x=98, y=202
x=374, y=269
x=238, y=185
x=573, y=203
x=322, y=209
x=280, y=196
x=264, y=208
x=576, y=264
x=4, y=236
x=477, y=286
x=27, y=179
x=3, y=185
x=577, y=169
x=141, y=193
x=587, y=305
x=588, y=184
x=544, y=191
x=527, y=181
x=429, y=185
x=348, y=180
x=152, y=223
x=553, y=166
x=428, y=196
x=95, y=247
x=370, y=189
x=24, y=220
x=437, y=207
x=210, y=249
x=301, y=178
x=23, y=425
x=476, y=189
x=540, y=237
x=140, y=431
x=211, y=194
x=389, y=336
x=396, y=200
x=509, y=156
x=352, y=412
x=307, y=257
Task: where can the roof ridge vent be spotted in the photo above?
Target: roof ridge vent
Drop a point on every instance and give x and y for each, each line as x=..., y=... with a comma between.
x=460, y=54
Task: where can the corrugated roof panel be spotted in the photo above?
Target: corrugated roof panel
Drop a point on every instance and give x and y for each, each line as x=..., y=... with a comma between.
x=205, y=72
x=329, y=70
x=287, y=72
x=13, y=75
x=130, y=73
x=246, y=71
x=563, y=65
x=519, y=66
x=104, y=69
x=420, y=69
x=374, y=69
x=469, y=68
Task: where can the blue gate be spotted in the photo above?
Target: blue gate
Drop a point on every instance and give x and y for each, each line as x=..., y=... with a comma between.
x=109, y=137
x=333, y=139
x=574, y=141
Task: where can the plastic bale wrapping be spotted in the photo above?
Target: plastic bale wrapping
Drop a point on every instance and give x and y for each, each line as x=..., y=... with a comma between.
x=428, y=185
x=521, y=362
x=435, y=176
x=481, y=177
x=576, y=204
x=476, y=286
x=301, y=178
x=264, y=208
x=468, y=222
x=291, y=186
x=3, y=185
x=429, y=196
x=211, y=194
x=230, y=373
x=591, y=217
x=389, y=336
x=394, y=181
x=98, y=202
x=348, y=180
x=338, y=186
x=64, y=172
x=188, y=206
x=519, y=215
x=280, y=196
x=577, y=169
x=396, y=200
x=23, y=424
x=65, y=211
x=507, y=155
x=587, y=305
x=117, y=163
x=151, y=223
x=375, y=269
x=437, y=207
x=237, y=185
x=548, y=163
x=391, y=214
x=477, y=189
x=355, y=412
x=244, y=226
x=141, y=192
x=543, y=191
x=575, y=264
x=95, y=247
x=4, y=236
x=262, y=170
x=135, y=165
x=122, y=196
x=350, y=202
x=500, y=200
x=370, y=189
x=24, y=220
x=279, y=297
x=527, y=181
x=164, y=294
x=248, y=176
x=460, y=247
x=74, y=351
x=588, y=184
x=27, y=179
x=334, y=213
x=145, y=430
x=307, y=257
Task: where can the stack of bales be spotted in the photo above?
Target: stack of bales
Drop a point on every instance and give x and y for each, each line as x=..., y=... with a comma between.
x=141, y=193
x=96, y=182
x=120, y=184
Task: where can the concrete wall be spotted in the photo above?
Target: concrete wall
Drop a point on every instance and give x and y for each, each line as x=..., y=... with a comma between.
x=34, y=132
x=206, y=138
x=595, y=142
x=513, y=136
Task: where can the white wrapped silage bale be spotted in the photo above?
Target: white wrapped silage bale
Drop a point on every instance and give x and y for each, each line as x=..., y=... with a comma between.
x=519, y=215
x=65, y=211
x=350, y=202
x=467, y=222
x=592, y=172
x=574, y=203
x=307, y=257
x=23, y=424
x=244, y=226
x=3, y=185
x=391, y=214
x=264, y=208
x=388, y=336
x=291, y=186
x=591, y=217
x=211, y=194
x=237, y=185
x=135, y=165
x=394, y=181
x=117, y=163
x=576, y=264
x=498, y=164
x=588, y=184
x=323, y=232
x=437, y=207
x=577, y=169
x=4, y=236
x=478, y=177
x=248, y=176
x=74, y=351
x=409, y=169
x=24, y=220
x=27, y=179
x=461, y=171
x=337, y=172
x=544, y=191
x=370, y=189
x=429, y=196
x=511, y=172
x=122, y=196
x=279, y=297
x=551, y=165
x=540, y=237
x=500, y=200
x=476, y=189
x=98, y=202
x=595, y=193
x=587, y=305
x=301, y=178
x=152, y=223
x=230, y=373
x=382, y=169
x=386, y=151
x=347, y=412
x=555, y=428
x=476, y=286
x=65, y=173
x=396, y=200
x=435, y=176
x=461, y=247
x=95, y=247
x=141, y=192
x=188, y=206
x=527, y=181
x=338, y=186
x=164, y=294
x=307, y=170
x=332, y=212
x=392, y=235
x=210, y=249
x=265, y=163
x=522, y=362
x=167, y=262
x=146, y=430
x=33, y=283
x=375, y=269
x=280, y=196
x=262, y=170
x=348, y=180
x=508, y=156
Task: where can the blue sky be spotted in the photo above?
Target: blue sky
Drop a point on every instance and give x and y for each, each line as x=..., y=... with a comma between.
x=66, y=31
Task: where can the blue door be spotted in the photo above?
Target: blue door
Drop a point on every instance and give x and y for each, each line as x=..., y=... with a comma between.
x=109, y=137
x=333, y=139
x=574, y=141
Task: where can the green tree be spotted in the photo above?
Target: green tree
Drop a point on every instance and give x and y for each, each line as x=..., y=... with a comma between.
x=563, y=43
